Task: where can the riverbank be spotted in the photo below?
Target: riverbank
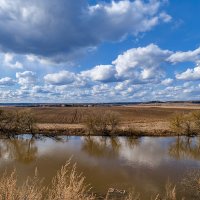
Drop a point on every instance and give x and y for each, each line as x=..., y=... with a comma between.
x=142, y=120
x=136, y=129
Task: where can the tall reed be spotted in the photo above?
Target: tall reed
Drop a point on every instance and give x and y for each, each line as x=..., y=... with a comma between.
x=70, y=185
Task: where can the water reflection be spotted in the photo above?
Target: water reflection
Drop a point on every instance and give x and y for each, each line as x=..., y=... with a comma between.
x=108, y=146
x=185, y=147
x=133, y=141
x=101, y=146
x=21, y=149
x=25, y=149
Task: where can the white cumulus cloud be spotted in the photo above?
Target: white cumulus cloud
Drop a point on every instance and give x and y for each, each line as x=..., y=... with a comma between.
x=181, y=56
x=60, y=78
x=102, y=73
x=190, y=74
x=142, y=62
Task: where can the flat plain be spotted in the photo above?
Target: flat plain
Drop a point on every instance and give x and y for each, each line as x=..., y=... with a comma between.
x=152, y=118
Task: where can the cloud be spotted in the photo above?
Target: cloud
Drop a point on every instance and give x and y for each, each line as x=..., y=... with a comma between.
x=102, y=73
x=9, y=62
x=147, y=73
x=190, y=74
x=167, y=81
x=60, y=78
x=165, y=17
x=36, y=59
x=180, y=56
x=7, y=81
x=26, y=79
x=137, y=74
x=141, y=63
x=62, y=29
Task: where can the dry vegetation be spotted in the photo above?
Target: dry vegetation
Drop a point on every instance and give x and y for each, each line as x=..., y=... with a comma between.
x=102, y=122
x=135, y=120
x=14, y=121
x=188, y=124
x=68, y=115
x=69, y=185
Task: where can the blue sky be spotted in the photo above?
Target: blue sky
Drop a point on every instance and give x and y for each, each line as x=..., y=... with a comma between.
x=99, y=50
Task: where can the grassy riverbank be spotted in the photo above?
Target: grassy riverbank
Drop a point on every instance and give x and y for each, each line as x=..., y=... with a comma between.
x=146, y=120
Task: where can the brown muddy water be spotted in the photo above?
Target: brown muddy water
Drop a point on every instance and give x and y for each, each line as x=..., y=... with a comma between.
x=120, y=162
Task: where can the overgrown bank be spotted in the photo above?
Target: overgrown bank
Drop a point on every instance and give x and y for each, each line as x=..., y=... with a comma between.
x=97, y=122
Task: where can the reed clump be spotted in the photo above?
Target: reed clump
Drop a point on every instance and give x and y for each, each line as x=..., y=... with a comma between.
x=30, y=190
x=66, y=185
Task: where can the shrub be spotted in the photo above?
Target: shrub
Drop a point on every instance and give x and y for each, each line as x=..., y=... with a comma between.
x=26, y=121
x=102, y=121
x=196, y=116
x=6, y=121
x=113, y=119
x=188, y=126
x=176, y=123
x=183, y=124
x=17, y=121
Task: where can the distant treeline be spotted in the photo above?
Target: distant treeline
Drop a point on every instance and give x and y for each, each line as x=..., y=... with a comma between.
x=91, y=104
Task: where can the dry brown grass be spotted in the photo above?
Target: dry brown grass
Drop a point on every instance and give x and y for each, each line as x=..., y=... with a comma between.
x=66, y=185
x=191, y=182
x=127, y=114
x=196, y=116
x=31, y=189
x=170, y=191
x=149, y=120
x=70, y=185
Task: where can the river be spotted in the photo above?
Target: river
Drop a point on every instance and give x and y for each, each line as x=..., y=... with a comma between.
x=145, y=164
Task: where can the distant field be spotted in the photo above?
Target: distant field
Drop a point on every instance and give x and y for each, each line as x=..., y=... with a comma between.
x=152, y=119
x=128, y=114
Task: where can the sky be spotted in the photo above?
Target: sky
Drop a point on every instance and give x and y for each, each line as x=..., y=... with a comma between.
x=76, y=51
